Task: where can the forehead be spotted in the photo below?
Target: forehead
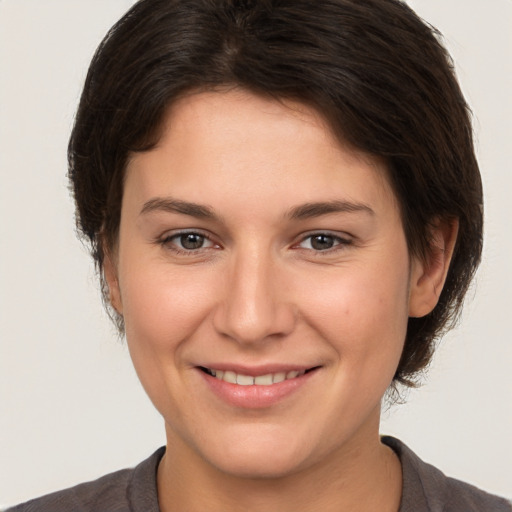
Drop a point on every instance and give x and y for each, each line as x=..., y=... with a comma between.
x=239, y=145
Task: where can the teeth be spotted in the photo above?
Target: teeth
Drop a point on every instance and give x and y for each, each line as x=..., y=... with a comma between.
x=229, y=377
x=263, y=380
x=278, y=377
x=247, y=380
x=244, y=380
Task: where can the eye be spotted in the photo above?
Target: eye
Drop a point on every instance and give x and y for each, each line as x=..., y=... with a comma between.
x=191, y=241
x=187, y=242
x=322, y=242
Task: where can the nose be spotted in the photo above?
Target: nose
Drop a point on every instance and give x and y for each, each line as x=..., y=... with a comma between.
x=254, y=307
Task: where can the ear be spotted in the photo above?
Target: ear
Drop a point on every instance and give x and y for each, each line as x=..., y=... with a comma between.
x=110, y=273
x=429, y=275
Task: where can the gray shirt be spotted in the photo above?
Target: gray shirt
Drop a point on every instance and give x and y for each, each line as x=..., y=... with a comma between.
x=425, y=489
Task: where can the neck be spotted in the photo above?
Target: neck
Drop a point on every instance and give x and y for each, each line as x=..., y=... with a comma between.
x=363, y=476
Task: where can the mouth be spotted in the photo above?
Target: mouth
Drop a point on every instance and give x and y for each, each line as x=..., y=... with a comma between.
x=257, y=387
x=268, y=379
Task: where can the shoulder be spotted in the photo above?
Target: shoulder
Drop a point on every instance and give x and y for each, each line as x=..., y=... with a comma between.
x=127, y=490
x=426, y=488
x=471, y=498
x=107, y=493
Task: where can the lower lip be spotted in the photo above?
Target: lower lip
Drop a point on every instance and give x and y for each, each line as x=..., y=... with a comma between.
x=255, y=397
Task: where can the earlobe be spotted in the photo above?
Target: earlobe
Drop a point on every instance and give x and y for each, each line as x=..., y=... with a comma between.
x=429, y=275
x=110, y=274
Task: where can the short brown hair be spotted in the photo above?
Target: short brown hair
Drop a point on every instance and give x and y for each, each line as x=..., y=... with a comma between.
x=377, y=73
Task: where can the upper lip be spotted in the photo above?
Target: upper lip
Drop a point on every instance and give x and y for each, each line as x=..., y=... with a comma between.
x=255, y=371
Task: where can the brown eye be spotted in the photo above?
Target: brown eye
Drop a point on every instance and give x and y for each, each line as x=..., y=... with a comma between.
x=191, y=241
x=186, y=242
x=322, y=242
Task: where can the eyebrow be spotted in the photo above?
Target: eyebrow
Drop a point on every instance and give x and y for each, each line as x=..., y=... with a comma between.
x=171, y=205
x=312, y=210
x=301, y=212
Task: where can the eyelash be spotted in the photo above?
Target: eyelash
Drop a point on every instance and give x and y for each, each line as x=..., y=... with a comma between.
x=339, y=243
x=167, y=242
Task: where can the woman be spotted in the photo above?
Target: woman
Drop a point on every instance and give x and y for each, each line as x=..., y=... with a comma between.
x=285, y=209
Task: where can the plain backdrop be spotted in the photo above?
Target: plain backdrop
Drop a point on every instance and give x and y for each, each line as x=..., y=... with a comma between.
x=71, y=407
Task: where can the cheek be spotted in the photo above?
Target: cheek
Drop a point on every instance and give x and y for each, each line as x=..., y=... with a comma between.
x=162, y=306
x=362, y=315
x=162, y=311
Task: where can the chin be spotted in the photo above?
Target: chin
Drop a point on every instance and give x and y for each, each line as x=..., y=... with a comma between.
x=258, y=456
x=259, y=466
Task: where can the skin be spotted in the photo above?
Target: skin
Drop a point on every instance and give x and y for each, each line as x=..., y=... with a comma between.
x=258, y=291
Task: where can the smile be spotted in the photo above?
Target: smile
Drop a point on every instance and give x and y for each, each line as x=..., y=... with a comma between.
x=257, y=387
x=247, y=380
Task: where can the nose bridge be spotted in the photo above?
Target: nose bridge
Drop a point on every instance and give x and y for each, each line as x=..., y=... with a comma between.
x=254, y=306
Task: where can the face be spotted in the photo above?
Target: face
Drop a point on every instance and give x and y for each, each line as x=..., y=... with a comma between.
x=265, y=283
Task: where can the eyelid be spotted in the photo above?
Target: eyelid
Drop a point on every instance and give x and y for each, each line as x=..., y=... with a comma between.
x=342, y=239
x=167, y=238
